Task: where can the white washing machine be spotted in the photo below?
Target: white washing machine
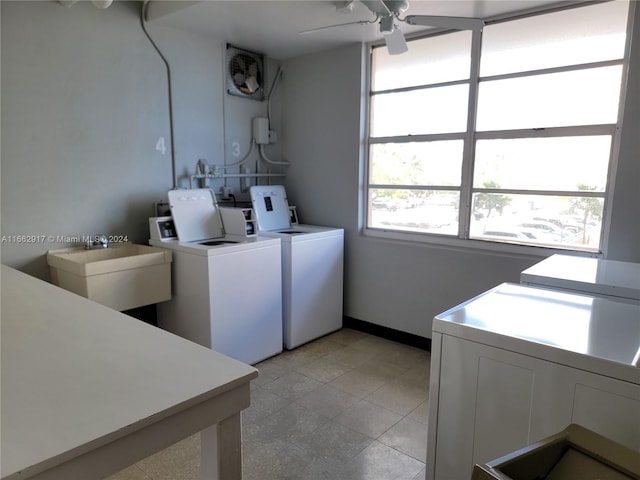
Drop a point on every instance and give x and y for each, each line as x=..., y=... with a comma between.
x=312, y=268
x=227, y=290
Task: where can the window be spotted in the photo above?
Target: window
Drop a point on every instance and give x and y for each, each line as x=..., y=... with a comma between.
x=512, y=144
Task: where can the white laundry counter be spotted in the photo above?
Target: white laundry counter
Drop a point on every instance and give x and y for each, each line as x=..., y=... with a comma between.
x=517, y=364
x=595, y=276
x=87, y=391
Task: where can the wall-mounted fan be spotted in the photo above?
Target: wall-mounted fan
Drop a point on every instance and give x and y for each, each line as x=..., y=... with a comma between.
x=387, y=12
x=244, y=73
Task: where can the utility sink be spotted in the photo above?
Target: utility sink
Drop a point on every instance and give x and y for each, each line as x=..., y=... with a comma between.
x=121, y=276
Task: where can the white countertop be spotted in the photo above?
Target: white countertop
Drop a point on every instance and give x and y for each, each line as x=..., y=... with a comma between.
x=590, y=275
x=591, y=333
x=77, y=375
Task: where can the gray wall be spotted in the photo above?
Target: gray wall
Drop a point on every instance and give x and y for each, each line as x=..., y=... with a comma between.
x=84, y=102
x=83, y=106
x=624, y=239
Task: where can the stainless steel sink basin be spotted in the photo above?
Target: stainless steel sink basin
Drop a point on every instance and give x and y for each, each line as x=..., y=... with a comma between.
x=122, y=276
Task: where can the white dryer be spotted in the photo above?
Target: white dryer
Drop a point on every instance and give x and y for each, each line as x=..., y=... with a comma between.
x=312, y=268
x=227, y=290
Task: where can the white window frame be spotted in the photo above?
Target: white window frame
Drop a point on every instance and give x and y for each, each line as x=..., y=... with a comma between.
x=470, y=137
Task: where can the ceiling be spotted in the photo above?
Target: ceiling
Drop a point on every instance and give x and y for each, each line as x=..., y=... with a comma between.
x=273, y=27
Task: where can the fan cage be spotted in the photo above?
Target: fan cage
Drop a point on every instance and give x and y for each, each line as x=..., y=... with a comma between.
x=244, y=73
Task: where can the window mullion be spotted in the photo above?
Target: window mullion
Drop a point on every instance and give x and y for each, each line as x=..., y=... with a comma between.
x=388, y=186
x=547, y=71
x=418, y=87
x=570, y=131
x=558, y=193
x=429, y=137
x=469, y=140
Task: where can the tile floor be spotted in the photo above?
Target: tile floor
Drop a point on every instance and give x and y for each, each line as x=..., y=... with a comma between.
x=349, y=406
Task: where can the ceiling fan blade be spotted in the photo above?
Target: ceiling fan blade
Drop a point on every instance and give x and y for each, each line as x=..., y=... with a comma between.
x=456, y=23
x=396, y=44
x=319, y=29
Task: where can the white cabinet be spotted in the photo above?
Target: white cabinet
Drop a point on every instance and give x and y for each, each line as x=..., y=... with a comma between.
x=493, y=392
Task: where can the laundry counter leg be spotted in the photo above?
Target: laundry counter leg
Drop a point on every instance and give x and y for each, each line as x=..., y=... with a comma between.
x=221, y=454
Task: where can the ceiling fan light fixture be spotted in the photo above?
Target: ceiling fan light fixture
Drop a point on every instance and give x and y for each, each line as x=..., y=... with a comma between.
x=396, y=44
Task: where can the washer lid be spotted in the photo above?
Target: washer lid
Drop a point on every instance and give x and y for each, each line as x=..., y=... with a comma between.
x=195, y=214
x=271, y=207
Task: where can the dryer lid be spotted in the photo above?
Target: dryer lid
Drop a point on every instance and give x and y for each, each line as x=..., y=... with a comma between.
x=271, y=207
x=195, y=214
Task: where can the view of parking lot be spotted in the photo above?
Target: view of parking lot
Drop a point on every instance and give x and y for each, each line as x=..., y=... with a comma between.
x=564, y=222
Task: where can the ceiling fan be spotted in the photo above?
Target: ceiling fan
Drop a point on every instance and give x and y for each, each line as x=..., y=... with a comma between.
x=388, y=11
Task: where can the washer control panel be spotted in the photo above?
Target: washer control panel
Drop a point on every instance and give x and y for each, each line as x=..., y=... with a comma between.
x=162, y=229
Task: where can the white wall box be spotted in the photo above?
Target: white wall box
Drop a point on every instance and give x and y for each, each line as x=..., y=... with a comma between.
x=517, y=364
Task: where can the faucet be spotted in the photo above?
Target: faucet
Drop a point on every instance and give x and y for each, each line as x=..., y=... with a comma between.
x=99, y=241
